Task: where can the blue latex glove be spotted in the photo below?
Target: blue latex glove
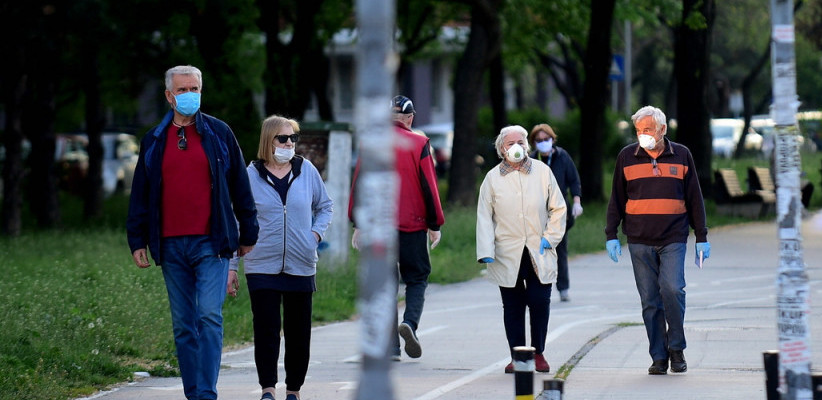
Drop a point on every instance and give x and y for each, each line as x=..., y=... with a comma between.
x=486, y=260
x=543, y=244
x=614, y=249
x=705, y=248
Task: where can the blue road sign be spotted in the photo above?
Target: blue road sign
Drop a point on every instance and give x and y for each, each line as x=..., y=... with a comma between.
x=617, y=71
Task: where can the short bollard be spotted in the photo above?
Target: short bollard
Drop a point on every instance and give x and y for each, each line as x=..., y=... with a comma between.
x=771, y=360
x=551, y=389
x=524, y=373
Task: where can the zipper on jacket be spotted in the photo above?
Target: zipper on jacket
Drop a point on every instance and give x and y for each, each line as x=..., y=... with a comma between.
x=285, y=233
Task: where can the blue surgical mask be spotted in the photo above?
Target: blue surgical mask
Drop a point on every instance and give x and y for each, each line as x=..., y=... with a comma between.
x=545, y=146
x=187, y=103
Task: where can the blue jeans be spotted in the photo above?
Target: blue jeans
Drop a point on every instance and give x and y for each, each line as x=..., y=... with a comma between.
x=659, y=272
x=196, y=278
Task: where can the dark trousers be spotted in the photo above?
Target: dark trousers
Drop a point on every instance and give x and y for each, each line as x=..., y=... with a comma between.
x=531, y=293
x=562, y=264
x=414, y=267
x=563, y=280
x=296, y=326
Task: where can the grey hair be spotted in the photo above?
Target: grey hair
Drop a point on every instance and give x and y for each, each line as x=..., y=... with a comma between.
x=183, y=70
x=650, y=111
x=500, y=141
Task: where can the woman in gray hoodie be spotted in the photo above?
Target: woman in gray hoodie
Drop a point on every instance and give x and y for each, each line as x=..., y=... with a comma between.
x=294, y=211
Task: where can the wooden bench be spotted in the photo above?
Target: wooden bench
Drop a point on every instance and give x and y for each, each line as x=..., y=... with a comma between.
x=732, y=200
x=761, y=181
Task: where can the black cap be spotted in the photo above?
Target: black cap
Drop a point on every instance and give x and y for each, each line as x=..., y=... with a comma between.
x=402, y=105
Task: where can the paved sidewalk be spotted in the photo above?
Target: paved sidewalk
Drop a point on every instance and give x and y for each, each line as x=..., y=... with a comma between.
x=730, y=321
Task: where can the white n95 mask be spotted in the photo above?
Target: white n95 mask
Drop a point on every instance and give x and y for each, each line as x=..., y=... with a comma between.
x=516, y=153
x=647, y=142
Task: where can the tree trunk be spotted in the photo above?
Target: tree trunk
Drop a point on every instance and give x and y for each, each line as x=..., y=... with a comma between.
x=747, y=106
x=496, y=83
x=38, y=123
x=216, y=29
x=11, y=222
x=691, y=65
x=95, y=123
x=43, y=67
x=293, y=68
x=484, y=43
x=595, y=98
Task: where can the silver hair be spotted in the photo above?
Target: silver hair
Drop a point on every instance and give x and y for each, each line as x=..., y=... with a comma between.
x=500, y=141
x=183, y=70
x=650, y=111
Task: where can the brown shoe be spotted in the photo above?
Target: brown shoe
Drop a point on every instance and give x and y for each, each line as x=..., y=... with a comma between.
x=509, y=369
x=540, y=363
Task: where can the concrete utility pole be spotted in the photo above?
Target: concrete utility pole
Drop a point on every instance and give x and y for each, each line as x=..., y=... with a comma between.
x=376, y=195
x=793, y=303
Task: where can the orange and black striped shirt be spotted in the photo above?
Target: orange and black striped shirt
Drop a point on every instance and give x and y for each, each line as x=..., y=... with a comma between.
x=656, y=200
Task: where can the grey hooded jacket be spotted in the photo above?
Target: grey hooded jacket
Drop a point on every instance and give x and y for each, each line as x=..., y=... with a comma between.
x=286, y=243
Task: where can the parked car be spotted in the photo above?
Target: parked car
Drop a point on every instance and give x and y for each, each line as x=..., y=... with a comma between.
x=441, y=137
x=764, y=125
x=726, y=133
x=120, y=153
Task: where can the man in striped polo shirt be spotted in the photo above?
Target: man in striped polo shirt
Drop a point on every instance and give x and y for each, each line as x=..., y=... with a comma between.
x=656, y=197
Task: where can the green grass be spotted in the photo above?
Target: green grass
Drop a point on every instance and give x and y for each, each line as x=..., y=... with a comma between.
x=76, y=315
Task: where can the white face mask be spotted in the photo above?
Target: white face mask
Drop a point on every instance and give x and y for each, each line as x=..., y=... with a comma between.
x=282, y=155
x=545, y=147
x=516, y=153
x=647, y=142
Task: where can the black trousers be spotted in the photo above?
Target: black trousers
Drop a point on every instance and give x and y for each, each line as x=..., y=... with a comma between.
x=296, y=327
x=528, y=293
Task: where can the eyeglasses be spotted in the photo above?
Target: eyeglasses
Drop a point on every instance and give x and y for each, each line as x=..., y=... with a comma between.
x=541, y=140
x=284, y=138
x=182, y=144
x=646, y=131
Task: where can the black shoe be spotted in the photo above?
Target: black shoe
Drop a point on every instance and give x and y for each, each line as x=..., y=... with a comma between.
x=678, y=363
x=659, y=367
x=412, y=344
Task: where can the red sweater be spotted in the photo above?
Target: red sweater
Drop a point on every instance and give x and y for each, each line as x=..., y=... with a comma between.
x=186, y=186
x=419, y=198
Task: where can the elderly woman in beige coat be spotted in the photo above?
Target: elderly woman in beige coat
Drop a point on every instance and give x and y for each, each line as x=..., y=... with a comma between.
x=520, y=220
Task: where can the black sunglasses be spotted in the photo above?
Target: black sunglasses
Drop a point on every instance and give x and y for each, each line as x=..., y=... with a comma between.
x=284, y=138
x=182, y=144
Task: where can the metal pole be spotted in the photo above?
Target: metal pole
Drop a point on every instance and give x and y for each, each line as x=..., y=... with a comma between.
x=793, y=305
x=524, y=372
x=376, y=192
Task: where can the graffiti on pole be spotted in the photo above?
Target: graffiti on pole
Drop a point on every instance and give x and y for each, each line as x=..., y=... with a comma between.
x=793, y=304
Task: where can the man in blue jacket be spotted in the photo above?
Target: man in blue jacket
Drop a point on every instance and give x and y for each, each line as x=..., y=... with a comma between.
x=189, y=192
